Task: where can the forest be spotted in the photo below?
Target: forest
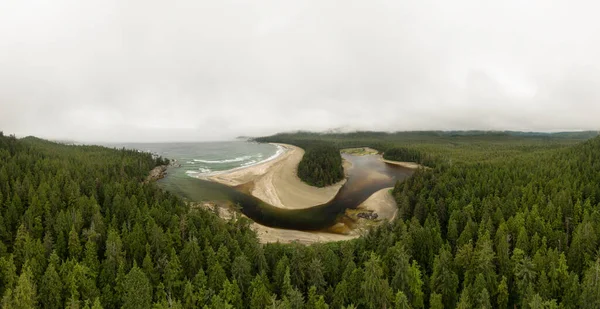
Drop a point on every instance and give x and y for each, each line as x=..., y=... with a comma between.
x=501, y=220
x=403, y=154
x=321, y=166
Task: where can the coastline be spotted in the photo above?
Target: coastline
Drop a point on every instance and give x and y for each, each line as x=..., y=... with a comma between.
x=266, y=234
x=382, y=203
x=411, y=165
x=276, y=182
x=280, y=151
x=157, y=173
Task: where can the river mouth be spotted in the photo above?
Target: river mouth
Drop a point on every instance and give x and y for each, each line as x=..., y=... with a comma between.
x=367, y=175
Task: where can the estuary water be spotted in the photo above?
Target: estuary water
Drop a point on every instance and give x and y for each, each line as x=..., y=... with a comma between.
x=367, y=175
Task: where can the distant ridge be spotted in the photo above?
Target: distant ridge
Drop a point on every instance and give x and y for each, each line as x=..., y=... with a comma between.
x=457, y=133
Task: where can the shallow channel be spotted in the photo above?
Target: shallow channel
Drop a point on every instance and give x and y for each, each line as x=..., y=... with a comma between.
x=367, y=175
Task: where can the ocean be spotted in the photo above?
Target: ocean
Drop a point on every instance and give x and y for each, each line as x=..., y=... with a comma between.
x=214, y=157
x=206, y=158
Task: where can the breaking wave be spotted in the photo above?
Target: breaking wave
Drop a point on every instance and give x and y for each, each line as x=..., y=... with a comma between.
x=238, y=159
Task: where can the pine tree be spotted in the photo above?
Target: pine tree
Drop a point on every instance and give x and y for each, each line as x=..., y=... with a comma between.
x=173, y=276
x=74, y=244
x=375, y=287
x=401, y=302
x=231, y=294
x=315, y=275
x=241, y=272
x=8, y=273
x=260, y=297
x=590, y=296
x=24, y=296
x=435, y=301
x=444, y=280
x=191, y=258
x=138, y=291
x=50, y=290
x=502, y=297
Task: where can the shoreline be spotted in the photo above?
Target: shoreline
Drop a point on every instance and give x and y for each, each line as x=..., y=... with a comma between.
x=278, y=153
x=411, y=165
x=382, y=203
x=266, y=234
x=276, y=181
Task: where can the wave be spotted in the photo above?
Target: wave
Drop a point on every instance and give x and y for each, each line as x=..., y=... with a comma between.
x=238, y=159
x=249, y=163
x=201, y=170
x=277, y=153
x=204, y=172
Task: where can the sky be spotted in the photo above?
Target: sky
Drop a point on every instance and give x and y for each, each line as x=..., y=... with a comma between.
x=194, y=70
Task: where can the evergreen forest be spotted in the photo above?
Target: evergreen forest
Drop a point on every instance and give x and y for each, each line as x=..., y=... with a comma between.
x=321, y=166
x=500, y=220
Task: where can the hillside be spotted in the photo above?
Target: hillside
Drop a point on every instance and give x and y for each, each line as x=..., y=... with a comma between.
x=500, y=222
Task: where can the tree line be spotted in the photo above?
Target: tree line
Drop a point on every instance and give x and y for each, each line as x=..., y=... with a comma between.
x=403, y=154
x=516, y=227
x=321, y=166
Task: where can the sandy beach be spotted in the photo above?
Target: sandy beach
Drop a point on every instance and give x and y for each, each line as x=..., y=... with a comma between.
x=267, y=234
x=411, y=165
x=381, y=202
x=277, y=183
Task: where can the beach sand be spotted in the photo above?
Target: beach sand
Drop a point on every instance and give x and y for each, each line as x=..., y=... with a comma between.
x=273, y=235
x=411, y=165
x=276, y=181
x=267, y=234
x=381, y=202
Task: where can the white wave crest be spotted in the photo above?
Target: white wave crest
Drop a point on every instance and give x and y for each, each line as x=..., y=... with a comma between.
x=204, y=170
x=277, y=153
x=249, y=163
x=238, y=159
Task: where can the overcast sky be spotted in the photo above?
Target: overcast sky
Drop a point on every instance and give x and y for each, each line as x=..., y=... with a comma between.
x=147, y=70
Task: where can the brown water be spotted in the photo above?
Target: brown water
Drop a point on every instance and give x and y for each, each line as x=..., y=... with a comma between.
x=367, y=175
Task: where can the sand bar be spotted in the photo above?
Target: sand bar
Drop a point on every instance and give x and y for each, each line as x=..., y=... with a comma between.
x=277, y=183
x=411, y=165
x=381, y=202
x=267, y=234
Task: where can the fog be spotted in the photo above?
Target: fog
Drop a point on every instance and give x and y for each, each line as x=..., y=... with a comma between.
x=118, y=71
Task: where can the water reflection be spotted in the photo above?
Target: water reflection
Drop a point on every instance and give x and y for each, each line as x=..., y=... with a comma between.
x=367, y=175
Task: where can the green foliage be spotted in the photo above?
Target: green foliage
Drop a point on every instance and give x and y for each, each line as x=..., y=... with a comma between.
x=501, y=220
x=403, y=154
x=321, y=166
x=138, y=291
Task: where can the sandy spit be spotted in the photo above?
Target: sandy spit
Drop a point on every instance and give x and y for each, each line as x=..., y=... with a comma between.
x=267, y=234
x=276, y=181
x=381, y=202
x=411, y=165
x=273, y=235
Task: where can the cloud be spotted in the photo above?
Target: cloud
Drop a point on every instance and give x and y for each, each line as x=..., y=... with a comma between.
x=211, y=70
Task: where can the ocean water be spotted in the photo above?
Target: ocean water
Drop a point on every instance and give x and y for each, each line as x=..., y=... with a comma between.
x=206, y=158
x=214, y=157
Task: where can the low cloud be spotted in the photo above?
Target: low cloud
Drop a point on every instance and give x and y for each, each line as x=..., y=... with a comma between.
x=115, y=71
